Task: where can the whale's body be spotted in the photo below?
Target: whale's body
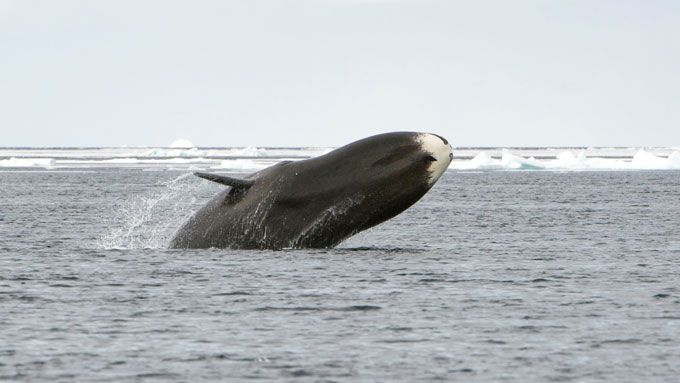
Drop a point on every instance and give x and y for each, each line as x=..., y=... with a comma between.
x=319, y=202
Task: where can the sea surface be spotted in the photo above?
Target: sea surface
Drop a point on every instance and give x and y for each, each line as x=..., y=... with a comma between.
x=496, y=275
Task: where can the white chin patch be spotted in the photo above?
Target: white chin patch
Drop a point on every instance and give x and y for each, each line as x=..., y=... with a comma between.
x=441, y=151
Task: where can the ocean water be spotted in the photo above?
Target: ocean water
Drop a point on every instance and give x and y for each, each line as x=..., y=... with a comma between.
x=564, y=274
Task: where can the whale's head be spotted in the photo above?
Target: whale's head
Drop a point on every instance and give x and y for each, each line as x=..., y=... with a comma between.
x=405, y=165
x=439, y=157
x=407, y=159
x=376, y=178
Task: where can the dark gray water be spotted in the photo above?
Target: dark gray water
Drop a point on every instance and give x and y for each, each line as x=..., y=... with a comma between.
x=493, y=276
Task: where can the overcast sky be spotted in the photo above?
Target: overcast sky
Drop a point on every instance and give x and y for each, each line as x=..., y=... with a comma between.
x=326, y=72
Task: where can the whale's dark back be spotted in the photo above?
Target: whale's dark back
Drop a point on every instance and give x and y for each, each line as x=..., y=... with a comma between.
x=316, y=202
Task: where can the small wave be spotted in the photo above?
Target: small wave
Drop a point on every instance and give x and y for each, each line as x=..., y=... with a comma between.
x=229, y=293
x=359, y=308
x=305, y=308
x=378, y=249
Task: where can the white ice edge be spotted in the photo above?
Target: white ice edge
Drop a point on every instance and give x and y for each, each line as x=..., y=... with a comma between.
x=28, y=163
x=566, y=160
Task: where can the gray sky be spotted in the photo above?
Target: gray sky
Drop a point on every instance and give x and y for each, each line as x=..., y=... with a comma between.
x=326, y=72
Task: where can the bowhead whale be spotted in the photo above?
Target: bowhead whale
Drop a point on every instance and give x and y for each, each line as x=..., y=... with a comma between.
x=321, y=201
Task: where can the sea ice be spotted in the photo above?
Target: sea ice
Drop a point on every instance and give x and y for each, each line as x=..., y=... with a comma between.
x=28, y=162
x=241, y=165
x=485, y=161
x=674, y=161
x=646, y=160
x=512, y=161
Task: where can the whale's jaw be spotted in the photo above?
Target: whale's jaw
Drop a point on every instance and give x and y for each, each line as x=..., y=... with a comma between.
x=440, y=150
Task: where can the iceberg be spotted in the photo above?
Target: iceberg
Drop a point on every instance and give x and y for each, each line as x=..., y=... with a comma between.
x=645, y=160
x=512, y=161
x=485, y=161
x=568, y=160
x=674, y=161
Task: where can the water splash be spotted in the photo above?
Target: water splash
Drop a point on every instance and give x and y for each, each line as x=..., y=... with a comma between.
x=148, y=221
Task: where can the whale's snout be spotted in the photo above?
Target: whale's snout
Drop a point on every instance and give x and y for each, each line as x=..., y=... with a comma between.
x=442, y=154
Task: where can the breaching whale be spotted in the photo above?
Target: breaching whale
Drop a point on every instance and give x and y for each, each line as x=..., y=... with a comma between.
x=321, y=201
